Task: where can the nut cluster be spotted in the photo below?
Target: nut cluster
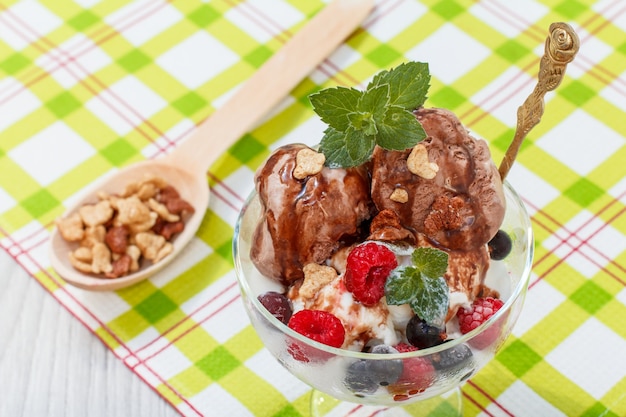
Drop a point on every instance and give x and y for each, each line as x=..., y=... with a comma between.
x=119, y=231
x=308, y=162
x=316, y=277
x=419, y=164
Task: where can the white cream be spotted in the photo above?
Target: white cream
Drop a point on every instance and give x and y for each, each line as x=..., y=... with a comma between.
x=361, y=322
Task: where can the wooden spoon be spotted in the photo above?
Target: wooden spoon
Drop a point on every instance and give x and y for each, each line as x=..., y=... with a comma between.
x=185, y=168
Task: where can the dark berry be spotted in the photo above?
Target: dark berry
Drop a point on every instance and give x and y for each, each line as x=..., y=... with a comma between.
x=277, y=304
x=358, y=380
x=453, y=357
x=366, y=375
x=422, y=335
x=367, y=269
x=321, y=326
x=388, y=371
x=383, y=349
x=500, y=246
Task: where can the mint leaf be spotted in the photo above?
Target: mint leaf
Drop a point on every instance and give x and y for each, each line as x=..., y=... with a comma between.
x=402, y=284
x=334, y=104
x=422, y=285
x=362, y=148
x=375, y=100
x=363, y=121
x=408, y=84
x=431, y=303
x=399, y=129
x=380, y=115
x=371, y=108
x=346, y=149
x=430, y=261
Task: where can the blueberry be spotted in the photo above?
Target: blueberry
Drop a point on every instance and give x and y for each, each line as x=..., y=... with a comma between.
x=422, y=335
x=277, y=304
x=358, y=378
x=500, y=246
x=388, y=371
x=453, y=357
x=383, y=349
x=365, y=376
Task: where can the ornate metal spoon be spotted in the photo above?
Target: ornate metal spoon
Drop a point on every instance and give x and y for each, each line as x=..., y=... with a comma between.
x=561, y=48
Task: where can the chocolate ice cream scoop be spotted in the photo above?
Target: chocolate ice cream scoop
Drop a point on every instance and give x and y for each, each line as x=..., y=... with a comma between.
x=305, y=220
x=460, y=206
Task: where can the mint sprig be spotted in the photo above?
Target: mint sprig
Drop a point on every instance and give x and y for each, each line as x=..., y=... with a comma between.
x=380, y=115
x=421, y=285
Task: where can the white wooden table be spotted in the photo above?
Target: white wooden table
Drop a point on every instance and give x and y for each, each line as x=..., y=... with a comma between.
x=51, y=365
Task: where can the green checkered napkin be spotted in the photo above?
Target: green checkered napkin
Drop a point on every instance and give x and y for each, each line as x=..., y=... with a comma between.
x=90, y=86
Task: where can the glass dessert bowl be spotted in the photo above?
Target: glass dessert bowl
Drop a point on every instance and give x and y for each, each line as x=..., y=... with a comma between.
x=420, y=382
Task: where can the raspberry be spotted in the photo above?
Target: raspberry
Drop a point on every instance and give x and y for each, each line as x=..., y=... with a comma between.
x=405, y=347
x=367, y=269
x=482, y=309
x=321, y=326
x=417, y=375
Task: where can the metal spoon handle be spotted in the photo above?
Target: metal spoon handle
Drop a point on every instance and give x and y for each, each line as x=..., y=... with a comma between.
x=561, y=46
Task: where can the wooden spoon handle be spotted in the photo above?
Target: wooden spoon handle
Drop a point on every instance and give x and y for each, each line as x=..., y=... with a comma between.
x=270, y=84
x=561, y=47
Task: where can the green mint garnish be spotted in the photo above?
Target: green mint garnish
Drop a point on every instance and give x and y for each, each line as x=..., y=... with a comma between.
x=381, y=115
x=422, y=285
